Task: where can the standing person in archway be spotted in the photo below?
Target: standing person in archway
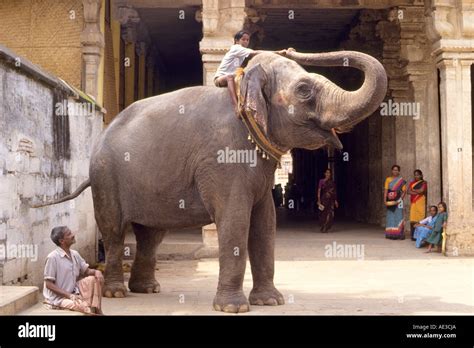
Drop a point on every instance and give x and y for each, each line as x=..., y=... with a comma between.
x=394, y=193
x=417, y=190
x=327, y=200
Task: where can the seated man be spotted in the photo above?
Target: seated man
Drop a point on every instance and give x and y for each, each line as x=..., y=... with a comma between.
x=424, y=228
x=68, y=281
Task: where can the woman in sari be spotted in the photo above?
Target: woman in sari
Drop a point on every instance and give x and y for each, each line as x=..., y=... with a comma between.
x=424, y=228
x=417, y=189
x=394, y=193
x=436, y=237
x=327, y=200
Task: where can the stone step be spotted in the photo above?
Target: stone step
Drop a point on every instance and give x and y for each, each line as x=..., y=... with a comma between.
x=177, y=245
x=41, y=309
x=14, y=299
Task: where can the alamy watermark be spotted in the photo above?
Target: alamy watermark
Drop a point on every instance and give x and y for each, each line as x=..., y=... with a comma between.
x=19, y=251
x=28, y=330
x=344, y=251
x=237, y=156
x=409, y=109
x=65, y=108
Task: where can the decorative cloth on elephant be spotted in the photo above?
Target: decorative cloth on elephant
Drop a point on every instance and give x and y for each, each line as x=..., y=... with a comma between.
x=253, y=110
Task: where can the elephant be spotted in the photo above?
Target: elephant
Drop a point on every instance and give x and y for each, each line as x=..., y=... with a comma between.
x=155, y=166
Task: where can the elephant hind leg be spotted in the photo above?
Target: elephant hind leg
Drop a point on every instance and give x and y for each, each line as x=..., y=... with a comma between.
x=113, y=235
x=142, y=278
x=109, y=218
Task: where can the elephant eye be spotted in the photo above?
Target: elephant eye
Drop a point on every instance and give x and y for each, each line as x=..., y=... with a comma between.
x=304, y=90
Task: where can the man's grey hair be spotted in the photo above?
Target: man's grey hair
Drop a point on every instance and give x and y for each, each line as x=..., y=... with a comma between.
x=57, y=233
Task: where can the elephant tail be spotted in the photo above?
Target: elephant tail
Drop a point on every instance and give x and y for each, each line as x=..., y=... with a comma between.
x=73, y=195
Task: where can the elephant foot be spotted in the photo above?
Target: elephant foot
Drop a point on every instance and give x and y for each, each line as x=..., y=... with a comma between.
x=235, y=303
x=116, y=289
x=266, y=297
x=144, y=286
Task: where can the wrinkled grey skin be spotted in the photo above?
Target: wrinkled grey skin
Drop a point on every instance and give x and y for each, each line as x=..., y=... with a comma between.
x=152, y=158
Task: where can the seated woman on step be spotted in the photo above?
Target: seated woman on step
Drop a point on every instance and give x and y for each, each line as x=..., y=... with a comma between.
x=424, y=228
x=436, y=237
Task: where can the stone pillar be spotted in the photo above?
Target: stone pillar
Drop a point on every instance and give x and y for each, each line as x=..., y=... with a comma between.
x=142, y=52
x=456, y=143
x=423, y=90
x=129, y=20
x=150, y=71
x=451, y=32
x=411, y=141
x=427, y=132
x=211, y=59
x=220, y=21
x=92, y=40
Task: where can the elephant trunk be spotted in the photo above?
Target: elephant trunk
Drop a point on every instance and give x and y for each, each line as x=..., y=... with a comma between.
x=341, y=109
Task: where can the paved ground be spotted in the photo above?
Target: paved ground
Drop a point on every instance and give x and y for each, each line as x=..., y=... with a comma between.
x=392, y=277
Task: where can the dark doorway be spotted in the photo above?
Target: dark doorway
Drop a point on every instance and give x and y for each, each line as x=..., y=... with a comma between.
x=176, y=35
x=317, y=30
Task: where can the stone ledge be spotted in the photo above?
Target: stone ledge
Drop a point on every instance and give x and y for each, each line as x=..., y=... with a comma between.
x=14, y=299
x=206, y=252
x=28, y=68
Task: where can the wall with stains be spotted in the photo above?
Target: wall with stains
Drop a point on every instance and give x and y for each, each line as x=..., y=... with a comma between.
x=46, y=135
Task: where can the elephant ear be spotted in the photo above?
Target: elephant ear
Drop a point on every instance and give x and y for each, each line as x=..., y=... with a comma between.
x=252, y=88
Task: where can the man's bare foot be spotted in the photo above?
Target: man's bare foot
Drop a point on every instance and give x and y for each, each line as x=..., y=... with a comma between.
x=97, y=311
x=237, y=111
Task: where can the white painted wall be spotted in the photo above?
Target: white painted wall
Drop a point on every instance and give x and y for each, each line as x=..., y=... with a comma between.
x=29, y=173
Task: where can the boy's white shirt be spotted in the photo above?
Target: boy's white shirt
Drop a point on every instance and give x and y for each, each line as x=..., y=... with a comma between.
x=232, y=60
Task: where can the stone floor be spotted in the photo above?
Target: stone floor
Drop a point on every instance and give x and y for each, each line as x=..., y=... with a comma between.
x=391, y=277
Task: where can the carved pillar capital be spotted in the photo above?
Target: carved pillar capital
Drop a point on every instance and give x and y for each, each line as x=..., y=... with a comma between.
x=450, y=26
x=92, y=40
x=91, y=35
x=222, y=18
x=129, y=20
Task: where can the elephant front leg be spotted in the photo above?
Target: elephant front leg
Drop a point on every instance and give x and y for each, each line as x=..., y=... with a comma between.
x=233, y=235
x=262, y=254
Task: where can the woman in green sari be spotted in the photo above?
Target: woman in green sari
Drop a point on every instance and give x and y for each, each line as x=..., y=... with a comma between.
x=436, y=237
